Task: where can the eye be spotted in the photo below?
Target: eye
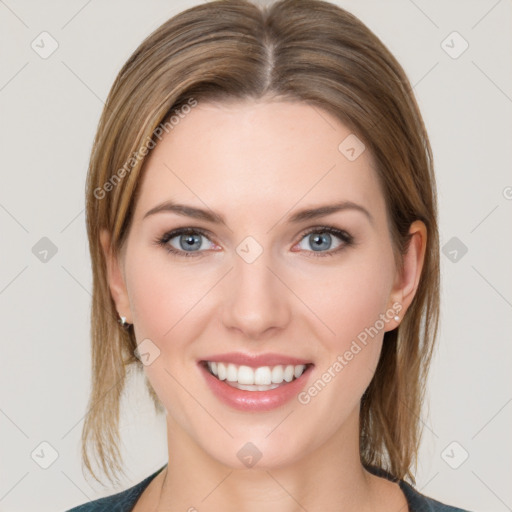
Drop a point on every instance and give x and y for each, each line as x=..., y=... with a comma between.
x=321, y=238
x=190, y=241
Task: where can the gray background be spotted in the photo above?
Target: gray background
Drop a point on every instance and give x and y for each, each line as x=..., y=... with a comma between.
x=49, y=111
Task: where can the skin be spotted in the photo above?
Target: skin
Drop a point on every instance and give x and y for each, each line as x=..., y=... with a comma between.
x=256, y=163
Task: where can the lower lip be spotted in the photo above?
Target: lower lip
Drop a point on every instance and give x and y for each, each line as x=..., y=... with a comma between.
x=255, y=400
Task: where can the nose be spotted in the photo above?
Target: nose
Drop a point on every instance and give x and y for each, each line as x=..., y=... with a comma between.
x=256, y=299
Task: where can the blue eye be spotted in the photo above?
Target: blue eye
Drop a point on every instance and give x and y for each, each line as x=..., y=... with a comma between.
x=319, y=238
x=190, y=241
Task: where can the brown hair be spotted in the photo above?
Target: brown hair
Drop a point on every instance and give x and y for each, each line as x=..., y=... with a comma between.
x=310, y=51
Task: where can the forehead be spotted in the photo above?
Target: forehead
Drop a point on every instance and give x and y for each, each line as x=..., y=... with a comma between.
x=249, y=154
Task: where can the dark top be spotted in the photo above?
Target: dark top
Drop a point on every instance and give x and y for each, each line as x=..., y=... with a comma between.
x=124, y=501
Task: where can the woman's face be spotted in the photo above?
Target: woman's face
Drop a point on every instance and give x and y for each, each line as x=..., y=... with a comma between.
x=260, y=283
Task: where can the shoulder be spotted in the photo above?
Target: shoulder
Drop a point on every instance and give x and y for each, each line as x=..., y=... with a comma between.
x=417, y=502
x=123, y=501
x=420, y=503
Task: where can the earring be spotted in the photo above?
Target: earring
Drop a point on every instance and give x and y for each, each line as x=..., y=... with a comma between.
x=396, y=318
x=124, y=324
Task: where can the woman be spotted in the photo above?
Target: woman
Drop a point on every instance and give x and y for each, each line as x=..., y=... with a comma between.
x=262, y=220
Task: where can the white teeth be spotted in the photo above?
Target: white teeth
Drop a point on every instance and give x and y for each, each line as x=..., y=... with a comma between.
x=288, y=373
x=277, y=374
x=231, y=372
x=245, y=375
x=263, y=376
x=221, y=371
x=297, y=372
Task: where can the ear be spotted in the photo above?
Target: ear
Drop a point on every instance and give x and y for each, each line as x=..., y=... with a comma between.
x=115, y=278
x=406, y=282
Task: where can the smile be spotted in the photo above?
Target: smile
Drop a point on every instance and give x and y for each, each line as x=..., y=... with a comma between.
x=262, y=378
x=255, y=388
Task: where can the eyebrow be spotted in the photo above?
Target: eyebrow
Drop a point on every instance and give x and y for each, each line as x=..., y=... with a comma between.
x=297, y=217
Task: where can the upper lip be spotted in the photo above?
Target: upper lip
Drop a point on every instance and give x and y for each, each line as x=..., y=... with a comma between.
x=256, y=360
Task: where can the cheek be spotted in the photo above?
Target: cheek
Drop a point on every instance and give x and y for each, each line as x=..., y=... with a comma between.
x=152, y=303
x=355, y=306
x=163, y=297
x=351, y=296
x=167, y=309
x=351, y=304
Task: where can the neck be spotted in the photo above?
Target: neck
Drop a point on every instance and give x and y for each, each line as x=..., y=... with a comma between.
x=327, y=477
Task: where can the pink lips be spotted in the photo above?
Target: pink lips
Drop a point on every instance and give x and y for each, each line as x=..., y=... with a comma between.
x=255, y=401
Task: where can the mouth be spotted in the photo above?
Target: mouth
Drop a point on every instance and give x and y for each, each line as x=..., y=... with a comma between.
x=250, y=378
x=255, y=382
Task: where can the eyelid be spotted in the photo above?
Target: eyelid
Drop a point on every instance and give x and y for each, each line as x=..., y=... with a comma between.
x=346, y=238
x=173, y=233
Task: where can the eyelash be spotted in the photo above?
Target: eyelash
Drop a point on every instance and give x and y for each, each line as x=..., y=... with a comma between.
x=347, y=239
